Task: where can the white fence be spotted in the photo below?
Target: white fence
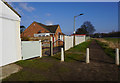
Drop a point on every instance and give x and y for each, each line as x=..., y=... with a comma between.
x=68, y=41
x=79, y=39
x=31, y=49
x=87, y=37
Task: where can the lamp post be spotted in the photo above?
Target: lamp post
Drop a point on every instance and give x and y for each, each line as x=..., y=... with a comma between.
x=74, y=28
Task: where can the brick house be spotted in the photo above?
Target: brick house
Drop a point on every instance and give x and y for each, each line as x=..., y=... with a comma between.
x=38, y=30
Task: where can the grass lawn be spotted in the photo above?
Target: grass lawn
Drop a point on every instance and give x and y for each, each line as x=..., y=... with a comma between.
x=113, y=39
x=50, y=68
x=109, y=51
x=76, y=53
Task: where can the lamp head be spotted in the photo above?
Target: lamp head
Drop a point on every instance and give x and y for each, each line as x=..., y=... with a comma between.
x=82, y=14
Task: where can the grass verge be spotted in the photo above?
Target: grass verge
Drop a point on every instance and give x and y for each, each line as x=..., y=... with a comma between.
x=109, y=51
x=115, y=40
x=76, y=53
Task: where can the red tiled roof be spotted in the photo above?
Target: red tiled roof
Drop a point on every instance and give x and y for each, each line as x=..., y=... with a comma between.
x=51, y=28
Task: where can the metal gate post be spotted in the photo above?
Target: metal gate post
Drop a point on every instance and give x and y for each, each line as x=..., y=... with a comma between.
x=51, y=47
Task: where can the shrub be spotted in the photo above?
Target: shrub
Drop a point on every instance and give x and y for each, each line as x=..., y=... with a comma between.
x=25, y=39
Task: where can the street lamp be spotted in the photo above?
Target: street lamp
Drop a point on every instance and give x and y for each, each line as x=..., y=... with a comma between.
x=74, y=20
x=74, y=28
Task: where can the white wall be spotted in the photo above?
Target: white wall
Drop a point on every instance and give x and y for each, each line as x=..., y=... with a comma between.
x=10, y=40
x=0, y=41
x=7, y=12
x=0, y=35
x=68, y=42
x=79, y=39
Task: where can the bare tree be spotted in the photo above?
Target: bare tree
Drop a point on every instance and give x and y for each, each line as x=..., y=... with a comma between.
x=86, y=28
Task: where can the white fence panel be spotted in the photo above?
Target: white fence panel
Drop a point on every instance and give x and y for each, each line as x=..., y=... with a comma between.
x=31, y=49
x=79, y=39
x=68, y=42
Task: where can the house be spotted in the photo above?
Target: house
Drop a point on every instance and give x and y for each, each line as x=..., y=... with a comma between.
x=40, y=30
x=10, y=42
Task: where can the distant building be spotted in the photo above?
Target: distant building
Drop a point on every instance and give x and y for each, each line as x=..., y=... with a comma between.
x=40, y=30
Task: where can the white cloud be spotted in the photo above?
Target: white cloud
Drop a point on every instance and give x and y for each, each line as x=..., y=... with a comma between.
x=49, y=23
x=48, y=14
x=26, y=7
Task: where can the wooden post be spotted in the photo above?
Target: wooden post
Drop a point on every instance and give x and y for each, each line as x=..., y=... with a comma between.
x=51, y=47
x=87, y=56
x=117, y=57
x=73, y=40
x=40, y=48
x=62, y=54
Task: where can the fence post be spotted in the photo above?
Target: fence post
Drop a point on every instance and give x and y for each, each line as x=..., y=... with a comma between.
x=62, y=54
x=117, y=57
x=51, y=47
x=87, y=56
x=74, y=40
x=40, y=48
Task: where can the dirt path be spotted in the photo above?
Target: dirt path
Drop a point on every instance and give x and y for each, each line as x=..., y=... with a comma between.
x=103, y=65
x=100, y=68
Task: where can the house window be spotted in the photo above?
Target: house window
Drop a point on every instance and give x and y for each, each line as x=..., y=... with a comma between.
x=39, y=35
x=61, y=37
x=46, y=40
x=39, y=31
x=58, y=36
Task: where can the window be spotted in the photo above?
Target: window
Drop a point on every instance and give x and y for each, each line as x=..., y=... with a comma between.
x=61, y=37
x=39, y=31
x=58, y=36
x=39, y=35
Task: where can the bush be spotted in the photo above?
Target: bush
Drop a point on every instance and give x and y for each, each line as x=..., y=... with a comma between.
x=25, y=39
